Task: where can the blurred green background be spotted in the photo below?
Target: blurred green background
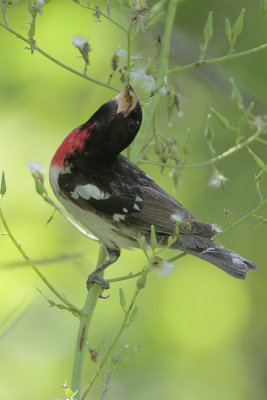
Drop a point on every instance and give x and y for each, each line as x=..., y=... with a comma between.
x=202, y=333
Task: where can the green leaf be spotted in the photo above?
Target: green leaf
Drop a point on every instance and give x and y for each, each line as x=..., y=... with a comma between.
x=228, y=30
x=153, y=238
x=175, y=178
x=245, y=116
x=187, y=147
x=209, y=132
x=133, y=314
x=238, y=25
x=171, y=106
x=153, y=21
x=223, y=121
x=264, y=7
x=39, y=186
x=122, y=299
x=3, y=184
x=208, y=30
x=141, y=281
x=236, y=96
x=260, y=163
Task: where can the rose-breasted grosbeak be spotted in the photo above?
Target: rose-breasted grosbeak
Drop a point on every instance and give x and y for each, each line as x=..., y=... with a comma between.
x=117, y=201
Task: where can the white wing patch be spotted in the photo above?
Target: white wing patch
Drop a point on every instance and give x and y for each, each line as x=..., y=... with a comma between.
x=177, y=216
x=89, y=191
x=118, y=217
x=209, y=250
x=136, y=207
x=124, y=210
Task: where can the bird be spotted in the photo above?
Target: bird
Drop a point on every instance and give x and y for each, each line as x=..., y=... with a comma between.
x=118, y=202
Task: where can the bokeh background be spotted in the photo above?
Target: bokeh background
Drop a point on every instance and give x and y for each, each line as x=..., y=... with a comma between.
x=202, y=334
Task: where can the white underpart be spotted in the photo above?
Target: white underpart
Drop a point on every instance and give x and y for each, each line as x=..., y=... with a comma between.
x=105, y=230
x=209, y=250
x=118, y=217
x=89, y=191
x=136, y=207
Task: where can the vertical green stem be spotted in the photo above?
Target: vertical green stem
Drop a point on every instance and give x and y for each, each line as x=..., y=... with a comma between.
x=129, y=50
x=85, y=319
x=163, y=70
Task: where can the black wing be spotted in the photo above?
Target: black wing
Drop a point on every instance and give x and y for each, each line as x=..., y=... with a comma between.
x=126, y=194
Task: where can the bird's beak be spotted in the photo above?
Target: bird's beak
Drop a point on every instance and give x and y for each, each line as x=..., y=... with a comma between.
x=127, y=100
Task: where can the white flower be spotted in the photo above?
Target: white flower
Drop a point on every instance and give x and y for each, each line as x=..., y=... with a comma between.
x=166, y=268
x=142, y=82
x=79, y=41
x=35, y=168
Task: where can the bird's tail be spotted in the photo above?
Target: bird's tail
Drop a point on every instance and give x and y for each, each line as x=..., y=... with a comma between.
x=227, y=260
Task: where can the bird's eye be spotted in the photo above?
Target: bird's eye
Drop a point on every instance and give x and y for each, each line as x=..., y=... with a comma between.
x=132, y=124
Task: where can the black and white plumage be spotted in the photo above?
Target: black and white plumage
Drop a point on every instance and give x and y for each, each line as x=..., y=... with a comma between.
x=117, y=201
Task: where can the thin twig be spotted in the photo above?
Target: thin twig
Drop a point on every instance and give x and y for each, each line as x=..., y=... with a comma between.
x=104, y=360
x=53, y=59
x=220, y=157
x=38, y=272
x=104, y=15
x=217, y=60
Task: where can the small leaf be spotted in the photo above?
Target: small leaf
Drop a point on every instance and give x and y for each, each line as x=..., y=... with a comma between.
x=153, y=238
x=209, y=132
x=187, y=147
x=171, y=106
x=157, y=146
x=238, y=25
x=208, y=30
x=264, y=7
x=141, y=281
x=228, y=30
x=224, y=121
x=133, y=314
x=260, y=163
x=175, y=178
x=153, y=21
x=122, y=299
x=3, y=184
x=236, y=96
x=245, y=116
x=39, y=186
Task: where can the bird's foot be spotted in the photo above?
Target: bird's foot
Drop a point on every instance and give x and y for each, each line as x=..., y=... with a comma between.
x=95, y=278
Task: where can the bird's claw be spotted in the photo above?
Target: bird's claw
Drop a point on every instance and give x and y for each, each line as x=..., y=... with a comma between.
x=95, y=278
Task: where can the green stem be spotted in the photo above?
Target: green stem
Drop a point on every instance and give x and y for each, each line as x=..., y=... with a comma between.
x=104, y=360
x=129, y=40
x=85, y=319
x=35, y=268
x=74, y=71
x=217, y=60
x=220, y=157
x=104, y=15
x=163, y=68
x=259, y=206
x=69, y=219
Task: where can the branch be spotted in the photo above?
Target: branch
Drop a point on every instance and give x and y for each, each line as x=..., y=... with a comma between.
x=99, y=12
x=86, y=316
x=163, y=68
x=68, y=218
x=51, y=58
x=104, y=360
x=70, y=306
x=217, y=60
x=220, y=157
